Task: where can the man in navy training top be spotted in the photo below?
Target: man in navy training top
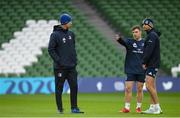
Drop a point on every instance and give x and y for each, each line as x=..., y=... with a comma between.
x=63, y=53
x=151, y=63
x=133, y=67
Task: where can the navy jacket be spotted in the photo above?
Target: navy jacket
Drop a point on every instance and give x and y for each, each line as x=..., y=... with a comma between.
x=152, y=49
x=134, y=54
x=62, y=48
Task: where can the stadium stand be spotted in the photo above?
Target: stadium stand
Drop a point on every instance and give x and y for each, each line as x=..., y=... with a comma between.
x=122, y=14
x=23, y=49
x=25, y=26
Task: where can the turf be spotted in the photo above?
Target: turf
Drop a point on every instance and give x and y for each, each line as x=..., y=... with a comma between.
x=94, y=105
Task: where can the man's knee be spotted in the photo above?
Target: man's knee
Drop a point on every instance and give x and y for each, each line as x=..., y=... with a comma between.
x=140, y=89
x=128, y=89
x=149, y=85
x=73, y=86
x=59, y=89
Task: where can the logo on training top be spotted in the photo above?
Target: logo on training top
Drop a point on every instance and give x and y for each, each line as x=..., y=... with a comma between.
x=59, y=74
x=64, y=40
x=70, y=37
x=156, y=69
x=142, y=44
x=150, y=73
x=150, y=41
x=134, y=45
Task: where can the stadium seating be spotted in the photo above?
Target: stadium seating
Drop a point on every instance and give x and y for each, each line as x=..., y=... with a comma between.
x=175, y=71
x=97, y=56
x=123, y=14
x=26, y=45
x=25, y=27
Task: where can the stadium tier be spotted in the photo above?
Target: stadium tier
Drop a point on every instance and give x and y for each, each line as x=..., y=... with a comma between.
x=25, y=26
x=123, y=14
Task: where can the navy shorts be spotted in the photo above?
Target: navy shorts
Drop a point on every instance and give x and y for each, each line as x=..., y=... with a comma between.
x=136, y=77
x=151, y=72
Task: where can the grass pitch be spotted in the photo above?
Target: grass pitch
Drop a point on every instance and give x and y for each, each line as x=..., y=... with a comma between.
x=94, y=105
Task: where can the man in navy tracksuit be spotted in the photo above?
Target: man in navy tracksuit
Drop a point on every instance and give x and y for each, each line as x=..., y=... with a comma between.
x=133, y=67
x=62, y=50
x=151, y=63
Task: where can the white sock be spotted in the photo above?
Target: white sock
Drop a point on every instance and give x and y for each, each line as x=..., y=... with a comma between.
x=138, y=105
x=151, y=106
x=157, y=106
x=127, y=105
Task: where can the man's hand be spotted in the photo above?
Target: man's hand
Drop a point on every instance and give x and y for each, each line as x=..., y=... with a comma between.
x=118, y=37
x=144, y=66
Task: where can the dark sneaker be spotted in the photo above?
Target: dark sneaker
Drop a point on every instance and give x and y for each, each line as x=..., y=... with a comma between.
x=60, y=111
x=76, y=110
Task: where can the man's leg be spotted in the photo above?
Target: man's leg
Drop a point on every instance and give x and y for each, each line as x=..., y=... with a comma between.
x=59, y=83
x=72, y=80
x=128, y=95
x=140, y=78
x=128, y=91
x=151, y=87
x=139, y=96
x=152, y=105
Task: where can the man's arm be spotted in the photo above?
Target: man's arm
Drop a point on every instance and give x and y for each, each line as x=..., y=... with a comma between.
x=74, y=38
x=120, y=39
x=52, y=48
x=149, y=48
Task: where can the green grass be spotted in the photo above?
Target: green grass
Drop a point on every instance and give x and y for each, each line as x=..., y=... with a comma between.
x=94, y=105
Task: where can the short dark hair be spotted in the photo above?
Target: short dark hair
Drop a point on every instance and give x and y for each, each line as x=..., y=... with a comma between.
x=136, y=27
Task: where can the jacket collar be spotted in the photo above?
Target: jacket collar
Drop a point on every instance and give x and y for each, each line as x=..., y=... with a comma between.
x=59, y=28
